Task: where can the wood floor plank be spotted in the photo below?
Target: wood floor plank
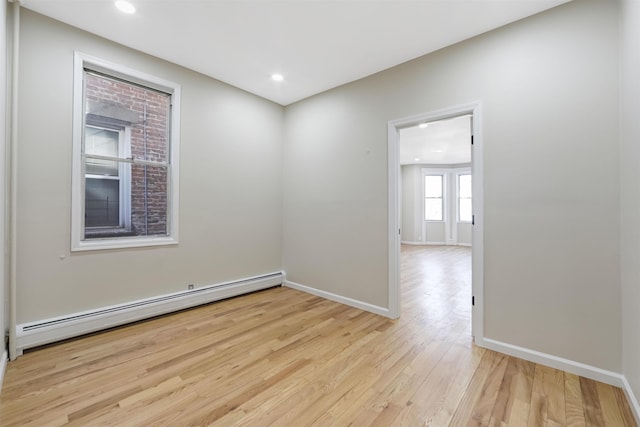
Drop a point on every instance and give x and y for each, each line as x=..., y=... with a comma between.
x=574, y=406
x=627, y=415
x=547, y=398
x=280, y=357
x=477, y=403
x=514, y=394
x=611, y=413
x=591, y=400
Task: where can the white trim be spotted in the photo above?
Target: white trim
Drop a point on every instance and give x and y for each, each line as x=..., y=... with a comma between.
x=393, y=221
x=5, y=133
x=556, y=362
x=46, y=331
x=4, y=359
x=125, y=73
x=631, y=397
x=339, y=298
x=123, y=242
x=82, y=61
x=477, y=171
x=13, y=181
x=477, y=231
x=406, y=242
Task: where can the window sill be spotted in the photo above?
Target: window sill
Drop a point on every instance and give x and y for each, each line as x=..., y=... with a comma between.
x=96, y=244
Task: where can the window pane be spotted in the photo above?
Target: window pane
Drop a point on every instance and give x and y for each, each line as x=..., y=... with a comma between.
x=464, y=186
x=149, y=140
x=146, y=112
x=102, y=202
x=148, y=200
x=465, y=210
x=102, y=142
x=433, y=209
x=125, y=120
x=433, y=186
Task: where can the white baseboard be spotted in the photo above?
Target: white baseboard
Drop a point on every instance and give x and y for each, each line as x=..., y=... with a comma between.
x=405, y=242
x=633, y=400
x=578, y=368
x=339, y=298
x=3, y=366
x=34, y=334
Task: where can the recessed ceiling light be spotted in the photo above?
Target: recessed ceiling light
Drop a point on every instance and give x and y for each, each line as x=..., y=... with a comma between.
x=125, y=6
x=416, y=159
x=423, y=125
x=277, y=77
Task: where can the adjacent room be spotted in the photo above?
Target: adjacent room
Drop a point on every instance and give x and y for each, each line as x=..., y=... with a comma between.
x=320, y=213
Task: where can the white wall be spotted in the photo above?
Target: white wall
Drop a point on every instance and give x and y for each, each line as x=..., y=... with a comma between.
x=410, y=230
x=630, y=193
x=4, y=134
x=549, y=92
x=230, y=184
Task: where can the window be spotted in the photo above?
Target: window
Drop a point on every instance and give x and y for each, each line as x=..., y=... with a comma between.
x=433, y=199
x=107, y=188
x=465, y=212
x=125, y=178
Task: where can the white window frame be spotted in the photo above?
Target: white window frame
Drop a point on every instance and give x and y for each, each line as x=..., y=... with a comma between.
x=458, y=175
x=78, y=242
x=443, y=197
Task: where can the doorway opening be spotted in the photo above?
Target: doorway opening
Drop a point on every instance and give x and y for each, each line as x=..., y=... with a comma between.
x=435, y=193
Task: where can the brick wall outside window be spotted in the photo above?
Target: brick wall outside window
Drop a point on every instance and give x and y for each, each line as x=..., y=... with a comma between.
x=146, y=113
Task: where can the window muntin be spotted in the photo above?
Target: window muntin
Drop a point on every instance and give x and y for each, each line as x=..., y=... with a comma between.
x=125, y=179
x=465, y=212
x=433, y=198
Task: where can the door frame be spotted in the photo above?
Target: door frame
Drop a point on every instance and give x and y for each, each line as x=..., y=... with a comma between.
x=477, y=173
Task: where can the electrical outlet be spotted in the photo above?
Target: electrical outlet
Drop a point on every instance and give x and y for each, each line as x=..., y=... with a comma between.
x=190, y=286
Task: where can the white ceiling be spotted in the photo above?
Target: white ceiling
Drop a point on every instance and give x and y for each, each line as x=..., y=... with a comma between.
x=443, y=142
x=316, y=44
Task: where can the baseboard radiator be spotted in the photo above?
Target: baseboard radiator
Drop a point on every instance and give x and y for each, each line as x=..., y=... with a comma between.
x=29, y=335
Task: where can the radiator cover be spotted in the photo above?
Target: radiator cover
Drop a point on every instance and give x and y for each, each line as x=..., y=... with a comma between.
x=46, y=331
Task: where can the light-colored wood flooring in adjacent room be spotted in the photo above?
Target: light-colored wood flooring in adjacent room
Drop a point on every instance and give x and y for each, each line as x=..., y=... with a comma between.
x=282, y=357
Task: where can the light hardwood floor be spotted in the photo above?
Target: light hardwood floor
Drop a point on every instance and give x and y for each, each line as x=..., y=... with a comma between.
x=282, y=357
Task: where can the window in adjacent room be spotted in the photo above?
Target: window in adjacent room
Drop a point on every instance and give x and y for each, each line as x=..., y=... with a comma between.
x=465, y=213
x=433, y=198
x=125, y=178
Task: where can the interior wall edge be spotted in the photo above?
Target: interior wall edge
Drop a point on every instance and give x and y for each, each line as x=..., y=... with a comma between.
x=382, y=311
